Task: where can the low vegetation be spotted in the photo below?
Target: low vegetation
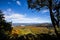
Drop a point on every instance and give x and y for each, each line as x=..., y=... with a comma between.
x=31, y=29
x=32, y=33
x=26, y=32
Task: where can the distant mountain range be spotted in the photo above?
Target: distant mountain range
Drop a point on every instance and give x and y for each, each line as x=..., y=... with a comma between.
x=32, y=24
x=26, y=24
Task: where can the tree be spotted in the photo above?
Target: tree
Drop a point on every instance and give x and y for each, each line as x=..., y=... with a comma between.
x=1, y=21
x=4, y=26
x=48, y=4
x=57, y=12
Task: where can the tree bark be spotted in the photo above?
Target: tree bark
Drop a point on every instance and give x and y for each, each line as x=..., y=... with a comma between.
x=53, y=22
x=52, y=17
x=57, y=16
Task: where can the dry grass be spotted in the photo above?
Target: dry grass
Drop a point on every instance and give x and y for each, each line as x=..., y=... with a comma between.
x=31, y=29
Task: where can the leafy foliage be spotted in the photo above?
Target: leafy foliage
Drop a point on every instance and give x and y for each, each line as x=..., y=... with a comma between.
x=4, y=27
x=52, y=5
x=32, y=33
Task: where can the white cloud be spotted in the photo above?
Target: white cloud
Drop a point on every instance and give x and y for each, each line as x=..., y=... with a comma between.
x=18, y=2
x=44, y=11
x=19, y=18
x=9, y=9
x=22, y=18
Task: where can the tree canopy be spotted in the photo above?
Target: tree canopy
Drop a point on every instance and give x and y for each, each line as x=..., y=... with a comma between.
x=52, y=5
x=4, y=26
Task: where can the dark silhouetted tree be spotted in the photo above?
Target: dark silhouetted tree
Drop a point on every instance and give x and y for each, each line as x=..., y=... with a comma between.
x=4, y=26
x=48, y=4
x=57, y=12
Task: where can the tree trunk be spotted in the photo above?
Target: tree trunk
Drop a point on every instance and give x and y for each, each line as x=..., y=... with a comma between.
x=57, y=16
x=53, y=22
x=52, y=17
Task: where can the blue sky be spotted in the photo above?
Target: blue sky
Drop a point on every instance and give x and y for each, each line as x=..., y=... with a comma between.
x=17, y=11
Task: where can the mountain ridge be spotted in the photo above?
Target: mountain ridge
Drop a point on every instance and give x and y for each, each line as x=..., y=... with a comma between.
x=32, y=24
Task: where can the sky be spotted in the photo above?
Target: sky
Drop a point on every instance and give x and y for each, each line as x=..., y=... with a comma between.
x=16, y=11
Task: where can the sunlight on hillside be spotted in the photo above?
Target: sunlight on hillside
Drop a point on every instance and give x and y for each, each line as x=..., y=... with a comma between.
x=31, y=30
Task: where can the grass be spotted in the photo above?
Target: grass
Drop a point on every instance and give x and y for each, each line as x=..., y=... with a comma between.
x=32, y=33
x=31, y=29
